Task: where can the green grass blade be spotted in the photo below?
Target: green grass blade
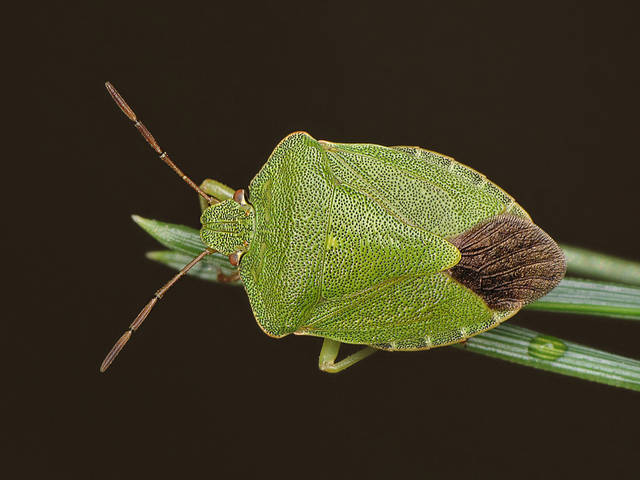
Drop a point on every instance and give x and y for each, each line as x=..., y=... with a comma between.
x=173, y=236
x=211, y=268
x=526, y=347
x=590, y=297
x=571, y=296
x=507, y=342
x=581, y=262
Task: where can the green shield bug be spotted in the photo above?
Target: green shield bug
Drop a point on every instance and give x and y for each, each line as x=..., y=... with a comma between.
x=392, y=248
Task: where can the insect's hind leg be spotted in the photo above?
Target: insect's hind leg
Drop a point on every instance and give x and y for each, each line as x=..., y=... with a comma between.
x=329, y=353
x=217, y=190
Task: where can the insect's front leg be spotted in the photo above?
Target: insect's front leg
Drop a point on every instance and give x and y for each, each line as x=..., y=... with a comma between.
x=217, y=190
x=329, y=353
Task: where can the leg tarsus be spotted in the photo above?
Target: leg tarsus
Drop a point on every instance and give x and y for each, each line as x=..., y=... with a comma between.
x=329, y=353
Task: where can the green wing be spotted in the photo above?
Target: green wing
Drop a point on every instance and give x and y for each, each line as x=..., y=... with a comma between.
x=318, y=238
x=405, y=313
x=423, y=188
x=429, y=193
x=351, y=243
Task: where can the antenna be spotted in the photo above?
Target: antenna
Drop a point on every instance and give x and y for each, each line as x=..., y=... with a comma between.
x=122, y=341
x=126, y=109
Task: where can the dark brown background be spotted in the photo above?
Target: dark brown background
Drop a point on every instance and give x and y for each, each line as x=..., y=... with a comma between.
x=542, y=99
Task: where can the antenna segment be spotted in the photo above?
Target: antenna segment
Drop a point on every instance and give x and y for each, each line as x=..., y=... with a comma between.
x=122, y=341
x=126, y=109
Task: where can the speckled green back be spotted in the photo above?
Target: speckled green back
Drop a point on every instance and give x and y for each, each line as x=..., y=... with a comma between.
x=350, y=243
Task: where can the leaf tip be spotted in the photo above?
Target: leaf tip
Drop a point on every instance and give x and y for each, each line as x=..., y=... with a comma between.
x=154, y=255
x=137, y=218
x=145, y=223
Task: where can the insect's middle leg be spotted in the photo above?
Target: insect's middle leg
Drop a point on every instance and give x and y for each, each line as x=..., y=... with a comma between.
x=329, y=353
x=217, y=190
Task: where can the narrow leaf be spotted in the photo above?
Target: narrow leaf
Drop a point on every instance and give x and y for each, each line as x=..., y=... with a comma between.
x=526, y=347
x=508, y=342
x=586, y=263
x=211, y=268
x=174, y=237
x=590, y=297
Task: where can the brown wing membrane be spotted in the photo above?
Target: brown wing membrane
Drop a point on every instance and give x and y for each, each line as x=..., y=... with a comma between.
x=508, y=261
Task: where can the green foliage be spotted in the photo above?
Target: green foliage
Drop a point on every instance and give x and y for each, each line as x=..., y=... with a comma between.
x=508, y=342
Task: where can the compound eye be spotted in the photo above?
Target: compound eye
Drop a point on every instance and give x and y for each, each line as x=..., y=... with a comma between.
x=239, y=197
x=235, y=257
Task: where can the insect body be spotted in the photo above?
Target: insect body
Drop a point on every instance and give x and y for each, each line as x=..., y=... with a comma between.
x=394, y=248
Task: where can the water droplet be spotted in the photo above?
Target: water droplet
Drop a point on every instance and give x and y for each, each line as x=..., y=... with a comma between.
x=544, y=347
